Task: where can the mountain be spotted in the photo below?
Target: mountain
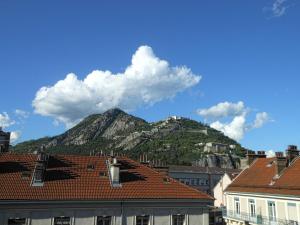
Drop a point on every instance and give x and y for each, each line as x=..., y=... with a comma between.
x=175, y=140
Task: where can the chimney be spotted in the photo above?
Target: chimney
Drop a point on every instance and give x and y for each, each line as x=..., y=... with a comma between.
x=281, y=163
x=114, y=171
x=252, y=156
x=292, y=152
x=144, y=160
x=160, y=167
x=4, y=141
x=40, y=168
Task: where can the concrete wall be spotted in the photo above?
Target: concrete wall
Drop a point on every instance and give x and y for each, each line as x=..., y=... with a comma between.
x=196, y=213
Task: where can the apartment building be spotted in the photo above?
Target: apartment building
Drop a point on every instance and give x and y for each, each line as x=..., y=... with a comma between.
x=267, y=192
x=41, y=189
x=201, y=178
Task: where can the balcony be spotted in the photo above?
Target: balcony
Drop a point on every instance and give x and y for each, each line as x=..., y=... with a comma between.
x=255, y=219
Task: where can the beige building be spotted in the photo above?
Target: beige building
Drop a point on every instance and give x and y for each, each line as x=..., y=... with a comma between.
x=268, y=192
x=218, y=191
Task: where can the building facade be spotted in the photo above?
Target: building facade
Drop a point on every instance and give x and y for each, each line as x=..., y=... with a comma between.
x=219, y=189
x=93, y=190
x=201, y=178
x=268, y=192
x=213, y=147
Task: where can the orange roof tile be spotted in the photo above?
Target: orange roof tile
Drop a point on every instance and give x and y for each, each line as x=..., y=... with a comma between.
x=67, y=178
x=260, y=177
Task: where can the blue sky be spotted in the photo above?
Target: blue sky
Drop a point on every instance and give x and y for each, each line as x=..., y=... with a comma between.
x=244, y=51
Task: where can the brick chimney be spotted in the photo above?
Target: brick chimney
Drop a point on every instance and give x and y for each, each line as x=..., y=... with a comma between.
x=160, y=167
x=291, y=153
x=252, y=156
x=281, y=163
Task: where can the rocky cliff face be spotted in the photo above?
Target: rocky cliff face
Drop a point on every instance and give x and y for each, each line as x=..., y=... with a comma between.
x=174, y=140
x=219, y=160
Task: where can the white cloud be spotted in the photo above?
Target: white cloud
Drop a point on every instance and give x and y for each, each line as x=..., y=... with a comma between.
x=5, y=120
x=279, y=8
x=22, y=114
x=223, y=109
x=235, y=129
x=146, y=81
x=235, y=115
x=270, y=153
x=14, y=136
x=260, y=119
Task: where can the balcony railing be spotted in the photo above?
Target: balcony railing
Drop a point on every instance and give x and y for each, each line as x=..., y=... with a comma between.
x=256, y=219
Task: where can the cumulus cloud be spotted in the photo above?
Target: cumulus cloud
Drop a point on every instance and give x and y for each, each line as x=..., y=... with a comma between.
x=146, y=81
x=270, y=153
x=235, y=115
x=14, y=136
x=5, y=120
x=260, y=119
x=22, y=114
x=234, y=129
x=223, y=109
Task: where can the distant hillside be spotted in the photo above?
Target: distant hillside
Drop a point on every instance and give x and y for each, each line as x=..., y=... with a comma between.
x=174, y=140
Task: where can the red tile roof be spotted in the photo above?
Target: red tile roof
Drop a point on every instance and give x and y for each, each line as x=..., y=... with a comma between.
x=260, y=177
x=67, y=178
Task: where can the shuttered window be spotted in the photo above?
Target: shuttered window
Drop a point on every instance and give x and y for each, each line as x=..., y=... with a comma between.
x=19, y=221
x=64, y=220
x=103, y=220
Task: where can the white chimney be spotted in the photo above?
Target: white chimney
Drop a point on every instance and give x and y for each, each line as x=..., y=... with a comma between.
x=114, y=170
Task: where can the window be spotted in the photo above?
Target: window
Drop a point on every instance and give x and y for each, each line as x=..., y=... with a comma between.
x=142, y=220
x=18, y=221
x=178, y=219
x=63, y=220
x=237, y=205
x=103, y=220
x=292, y=213
x=272, y=211
x=252, y=207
